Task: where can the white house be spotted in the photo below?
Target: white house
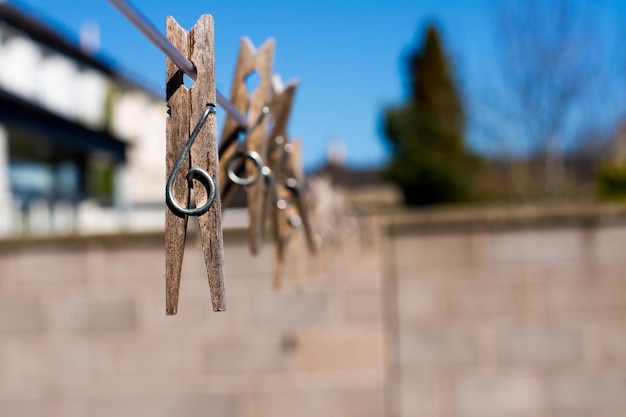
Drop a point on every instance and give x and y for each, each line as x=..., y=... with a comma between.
x=81, y=145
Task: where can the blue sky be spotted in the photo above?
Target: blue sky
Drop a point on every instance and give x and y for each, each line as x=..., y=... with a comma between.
x=347, y=54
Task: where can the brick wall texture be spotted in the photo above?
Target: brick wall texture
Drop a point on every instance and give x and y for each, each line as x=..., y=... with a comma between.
x=406, y=317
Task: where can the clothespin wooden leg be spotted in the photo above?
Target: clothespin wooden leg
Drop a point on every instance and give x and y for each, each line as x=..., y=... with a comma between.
x=282, y=100
x=284, y=230
x=205, y=154
x=230, y=132
x=177, y=131
x=289, y=218
x=187, y=109
x=285, y=162
x=249, y=61
x=257, y=142
x=296, y=171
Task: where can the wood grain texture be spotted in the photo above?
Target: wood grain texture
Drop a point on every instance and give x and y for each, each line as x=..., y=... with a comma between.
x=177, y=130
x=186, y=107
x=295, y=169
x=282, y=102
x=204, y=153
x=257, y=142
x=284, y=231
x=246, y=63
x=238, y=92
x=287, y=236
x=252, y=103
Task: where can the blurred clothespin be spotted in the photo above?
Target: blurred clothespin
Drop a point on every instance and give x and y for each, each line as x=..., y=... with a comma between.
x=241, y=164
x=296, y=184
x=288, y=209
x=192, y=142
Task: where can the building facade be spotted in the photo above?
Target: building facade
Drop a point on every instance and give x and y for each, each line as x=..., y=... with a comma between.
x=80, y=144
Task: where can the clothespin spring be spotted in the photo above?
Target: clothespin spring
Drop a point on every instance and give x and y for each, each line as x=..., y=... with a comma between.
x=273, y=180
x=241, y=154
x=195, y=173
x=233, y=164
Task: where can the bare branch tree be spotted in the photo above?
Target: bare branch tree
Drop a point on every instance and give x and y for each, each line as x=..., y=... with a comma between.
x=551, y=66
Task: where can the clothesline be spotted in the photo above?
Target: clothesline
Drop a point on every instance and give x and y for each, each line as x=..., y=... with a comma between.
x=161, y=42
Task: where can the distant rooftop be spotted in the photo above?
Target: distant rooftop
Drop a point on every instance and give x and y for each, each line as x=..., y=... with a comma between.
x=55, y=39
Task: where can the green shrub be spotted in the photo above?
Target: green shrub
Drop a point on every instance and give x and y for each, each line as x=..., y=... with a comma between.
x=611, y=184
x=429, y=161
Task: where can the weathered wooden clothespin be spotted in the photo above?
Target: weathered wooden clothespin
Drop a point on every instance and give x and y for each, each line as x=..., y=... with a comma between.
x=287, y=178
x=192, y=117
x=253, y=156
x=296, y=215
x=296, y=184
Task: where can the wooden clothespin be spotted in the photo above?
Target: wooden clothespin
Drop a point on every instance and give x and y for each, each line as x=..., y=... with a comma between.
x=287, y=177
x=254, y=104
x=296, y=216
x=188, y=109
x=296, y=184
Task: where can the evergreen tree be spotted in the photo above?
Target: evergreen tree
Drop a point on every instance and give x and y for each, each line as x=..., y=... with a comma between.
x=429, y=160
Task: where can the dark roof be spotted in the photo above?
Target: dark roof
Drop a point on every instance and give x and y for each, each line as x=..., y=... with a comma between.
x=350, y=178
x=19, y=113
x=55, y=40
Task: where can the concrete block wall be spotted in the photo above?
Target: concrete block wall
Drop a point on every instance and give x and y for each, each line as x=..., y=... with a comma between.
x=461, y=314
x=83, y=332
x=518, y=316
